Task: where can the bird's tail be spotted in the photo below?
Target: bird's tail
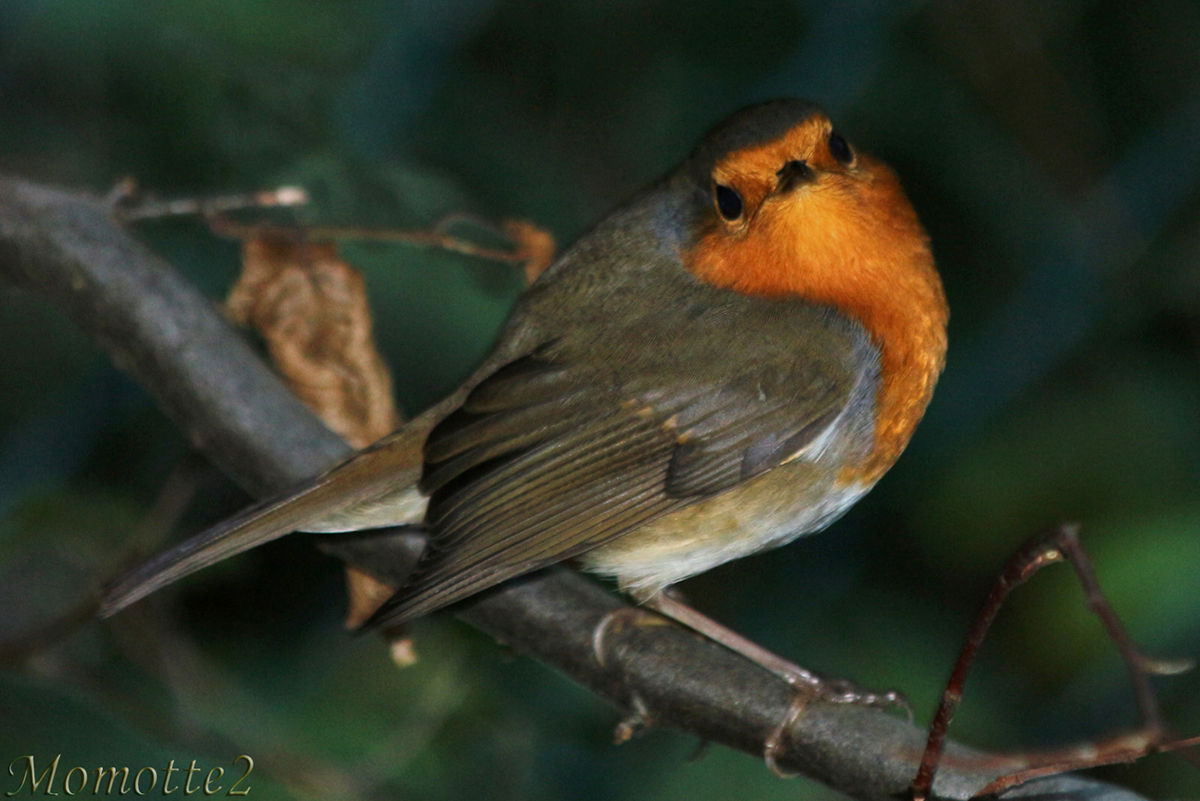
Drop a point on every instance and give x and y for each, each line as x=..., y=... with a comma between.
x=373, y=489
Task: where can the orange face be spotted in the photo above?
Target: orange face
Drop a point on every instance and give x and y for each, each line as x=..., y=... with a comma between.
x=770, y=176
x=805, y=215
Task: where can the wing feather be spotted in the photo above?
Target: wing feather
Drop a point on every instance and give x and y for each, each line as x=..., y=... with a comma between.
x=592, y=436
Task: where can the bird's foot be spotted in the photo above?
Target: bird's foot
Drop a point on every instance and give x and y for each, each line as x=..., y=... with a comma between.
x=844, y=691
x=809, y=686
x=774, y=746
x=613, y=622
x=834, y=691
x=639, y=718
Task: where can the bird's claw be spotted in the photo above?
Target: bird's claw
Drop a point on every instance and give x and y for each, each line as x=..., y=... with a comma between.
x=809, y=688
x=774, y=745
x=841, y=691
x=616, y=619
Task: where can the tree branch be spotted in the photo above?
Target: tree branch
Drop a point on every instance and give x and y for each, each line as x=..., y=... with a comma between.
x=67, y=248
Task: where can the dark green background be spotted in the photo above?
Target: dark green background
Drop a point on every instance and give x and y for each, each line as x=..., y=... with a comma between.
x=1052, y=149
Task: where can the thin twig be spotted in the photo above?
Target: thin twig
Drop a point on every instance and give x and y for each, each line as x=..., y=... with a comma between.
x=1056, y=545
x=223, y=226
x=128, y=207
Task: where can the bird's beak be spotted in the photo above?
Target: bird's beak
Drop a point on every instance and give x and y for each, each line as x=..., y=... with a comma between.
x=793, y=174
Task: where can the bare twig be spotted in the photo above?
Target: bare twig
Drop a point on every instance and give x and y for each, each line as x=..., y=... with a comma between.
x=128, y=206
x=1056, y=545
x=531, y=246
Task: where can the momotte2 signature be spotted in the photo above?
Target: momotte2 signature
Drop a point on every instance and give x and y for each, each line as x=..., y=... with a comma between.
x=122, y=781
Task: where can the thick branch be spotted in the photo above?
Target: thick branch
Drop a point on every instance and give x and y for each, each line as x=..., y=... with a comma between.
x=66, y=248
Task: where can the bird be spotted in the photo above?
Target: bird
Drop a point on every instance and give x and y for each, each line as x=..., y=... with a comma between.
x=726, y=362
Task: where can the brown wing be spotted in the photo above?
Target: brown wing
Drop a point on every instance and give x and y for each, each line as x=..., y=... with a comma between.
x=599, y=432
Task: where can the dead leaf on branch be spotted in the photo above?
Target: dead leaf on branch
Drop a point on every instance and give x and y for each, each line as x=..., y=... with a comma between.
x=311, y=308
x=366, y=594
x=532, y=246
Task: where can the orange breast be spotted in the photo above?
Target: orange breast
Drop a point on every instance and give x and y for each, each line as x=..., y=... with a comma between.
x=857, y=246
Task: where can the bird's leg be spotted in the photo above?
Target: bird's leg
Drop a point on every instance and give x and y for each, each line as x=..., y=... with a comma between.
x=809, y=686
x=838, y=691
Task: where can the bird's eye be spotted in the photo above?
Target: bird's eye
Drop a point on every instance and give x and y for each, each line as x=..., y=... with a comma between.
x=729, y=202
x=839, y=148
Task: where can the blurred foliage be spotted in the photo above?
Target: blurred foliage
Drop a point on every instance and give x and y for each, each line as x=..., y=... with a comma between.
x=1053, y=150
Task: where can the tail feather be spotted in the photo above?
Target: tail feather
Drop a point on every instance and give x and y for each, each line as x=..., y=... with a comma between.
x=359, y=494
x=252, y=527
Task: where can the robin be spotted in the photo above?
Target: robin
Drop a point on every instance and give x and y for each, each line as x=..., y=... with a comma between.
x=726, y=362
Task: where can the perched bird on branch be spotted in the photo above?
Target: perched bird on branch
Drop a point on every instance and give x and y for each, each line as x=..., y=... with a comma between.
x=728, y=361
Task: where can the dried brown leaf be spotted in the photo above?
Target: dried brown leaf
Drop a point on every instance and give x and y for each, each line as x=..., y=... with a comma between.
x=311, y=308
x=367, y=594
x=533, y=246
x=404, y=652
